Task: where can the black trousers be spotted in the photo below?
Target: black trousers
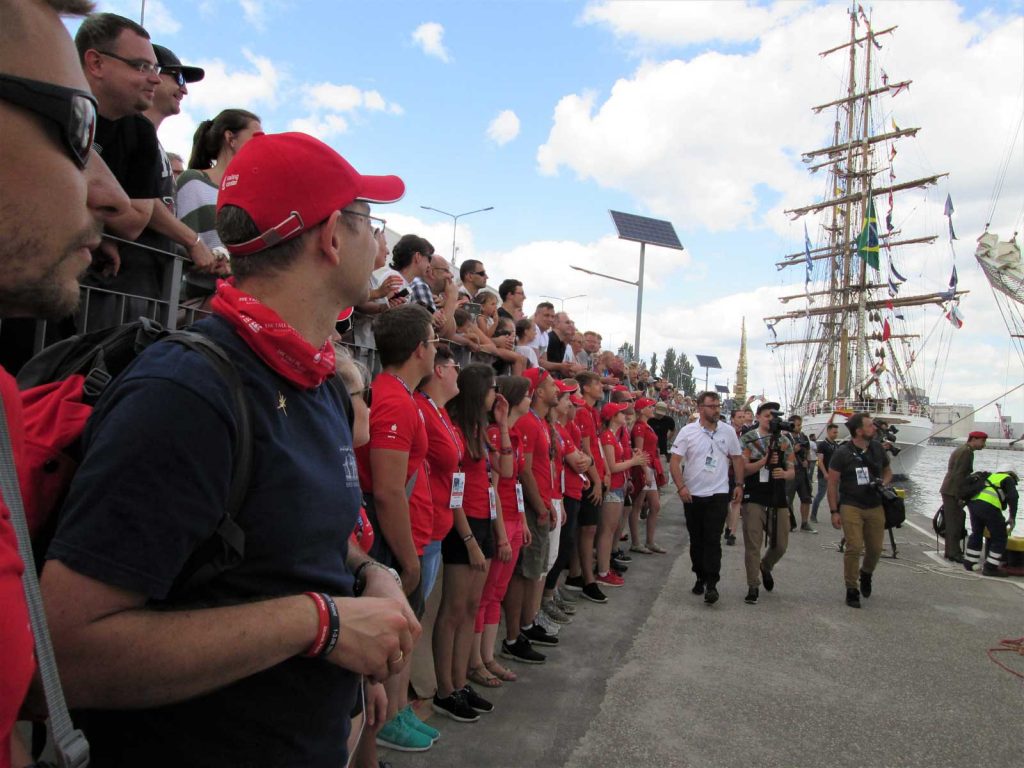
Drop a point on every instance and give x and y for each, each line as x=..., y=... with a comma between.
x=705, y=521
x=566, y=542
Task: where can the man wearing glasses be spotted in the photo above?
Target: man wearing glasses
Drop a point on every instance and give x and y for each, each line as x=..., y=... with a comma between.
x=473, y=277
x=124, y=74
x=701, y=455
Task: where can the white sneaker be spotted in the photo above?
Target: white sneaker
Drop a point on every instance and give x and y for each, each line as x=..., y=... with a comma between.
x=547, y=624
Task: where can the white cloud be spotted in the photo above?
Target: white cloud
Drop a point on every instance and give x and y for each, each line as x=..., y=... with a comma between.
x=333, y=107
x=684, y=23
x=223, y=87
x=176, y=133
x=158, y=20
x=503, y=128
x=254, y=12
x=322, y=126
x=429, y=36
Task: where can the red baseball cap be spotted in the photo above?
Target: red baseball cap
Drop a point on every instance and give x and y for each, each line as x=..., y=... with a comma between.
x=535, y=376
x=978, y=434
x=643, y=402
x=566, y=385
x=610, y=409
x=578, y=401
x=290, y=182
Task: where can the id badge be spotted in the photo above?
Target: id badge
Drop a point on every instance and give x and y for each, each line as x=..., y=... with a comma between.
x=710, y=463
x=520, y=502
x=556, y=505
x=863, y=476
x=563, y=482
x=492, y=501
x=764, y=475
x=458, y=489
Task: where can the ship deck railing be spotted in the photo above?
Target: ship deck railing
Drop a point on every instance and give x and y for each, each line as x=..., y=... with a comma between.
x=878, y=407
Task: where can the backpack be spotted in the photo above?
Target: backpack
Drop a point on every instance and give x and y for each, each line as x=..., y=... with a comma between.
x=974, y=484
x=61, y=385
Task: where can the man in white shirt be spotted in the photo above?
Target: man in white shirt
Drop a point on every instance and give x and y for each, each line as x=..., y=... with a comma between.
x=699, y=466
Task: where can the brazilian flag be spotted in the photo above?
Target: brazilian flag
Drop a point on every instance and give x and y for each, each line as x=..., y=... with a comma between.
x=867, y=241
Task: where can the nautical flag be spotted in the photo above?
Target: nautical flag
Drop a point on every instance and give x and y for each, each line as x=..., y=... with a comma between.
x=807, y=254
x=955, y=317
x=948, y=213
x=892, y=268
x=953, y=279
x=867, y=242
x=896, y=90
x=885, y=81
x=898, y=315
x=892, y=153
x=894, y=288
x=886, y=330
x=888, y=216
x=771, y=327
x=894, y=126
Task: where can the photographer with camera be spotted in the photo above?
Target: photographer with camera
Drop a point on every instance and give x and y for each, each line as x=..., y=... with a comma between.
x=857, y=469
x=769, y=461
x=800, y=484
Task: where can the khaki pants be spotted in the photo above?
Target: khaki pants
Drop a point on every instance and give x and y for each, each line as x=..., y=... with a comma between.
x=755, y=521
x=864, y=530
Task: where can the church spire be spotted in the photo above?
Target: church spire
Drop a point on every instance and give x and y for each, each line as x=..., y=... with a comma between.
x=740, y=389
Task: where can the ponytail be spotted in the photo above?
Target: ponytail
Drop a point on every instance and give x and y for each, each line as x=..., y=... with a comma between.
x=208, y=140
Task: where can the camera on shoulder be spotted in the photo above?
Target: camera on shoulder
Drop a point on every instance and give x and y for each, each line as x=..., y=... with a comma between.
x=778, y=425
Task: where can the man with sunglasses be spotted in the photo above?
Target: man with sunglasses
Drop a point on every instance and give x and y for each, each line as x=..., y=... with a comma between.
x=124, y=74
x=473, y=277
x=54, y=192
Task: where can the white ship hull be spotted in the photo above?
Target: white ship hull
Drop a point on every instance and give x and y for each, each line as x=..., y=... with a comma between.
x=913, y=431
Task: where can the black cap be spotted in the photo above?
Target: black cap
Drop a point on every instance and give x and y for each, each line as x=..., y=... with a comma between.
x=170, y=63
x=767, y=407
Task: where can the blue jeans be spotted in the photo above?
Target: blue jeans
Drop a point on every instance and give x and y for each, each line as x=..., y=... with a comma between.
x=818, y=496
x=431, y=565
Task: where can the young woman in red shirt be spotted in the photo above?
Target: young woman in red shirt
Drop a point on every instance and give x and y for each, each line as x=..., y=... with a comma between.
x=469, y=546
x=646, y=480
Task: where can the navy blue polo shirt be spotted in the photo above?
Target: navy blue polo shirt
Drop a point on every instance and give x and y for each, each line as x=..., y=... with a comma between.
x=152, y=487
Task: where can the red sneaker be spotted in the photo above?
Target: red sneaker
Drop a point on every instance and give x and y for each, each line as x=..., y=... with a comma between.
x=610, y=579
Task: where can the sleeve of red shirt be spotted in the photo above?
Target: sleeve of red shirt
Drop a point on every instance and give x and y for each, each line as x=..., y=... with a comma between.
x=393, y=424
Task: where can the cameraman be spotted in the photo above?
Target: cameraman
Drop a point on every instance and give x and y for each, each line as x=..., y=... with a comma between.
x=854, y=473
x=800, y=484
x=769, y=462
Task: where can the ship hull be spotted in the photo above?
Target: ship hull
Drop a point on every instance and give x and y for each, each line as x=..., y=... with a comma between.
x=913, y=433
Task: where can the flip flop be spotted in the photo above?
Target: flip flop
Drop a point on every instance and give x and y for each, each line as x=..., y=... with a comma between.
x=656, y=549
x=500, y=672
x=641, y=549
x=489, y=681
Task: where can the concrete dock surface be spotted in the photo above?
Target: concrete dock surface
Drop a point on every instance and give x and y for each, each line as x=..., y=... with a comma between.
x=657, y=678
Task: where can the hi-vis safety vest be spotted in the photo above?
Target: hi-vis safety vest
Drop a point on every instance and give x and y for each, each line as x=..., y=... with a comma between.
x=991, y=492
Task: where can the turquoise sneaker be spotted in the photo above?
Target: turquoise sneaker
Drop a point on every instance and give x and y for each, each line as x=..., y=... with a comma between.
x=399, y=734
x=414, y=722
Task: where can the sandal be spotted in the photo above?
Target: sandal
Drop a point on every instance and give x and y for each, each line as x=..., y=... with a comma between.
x=500, y=672
x=641, y=549
x=656, y=549
x=488, y=681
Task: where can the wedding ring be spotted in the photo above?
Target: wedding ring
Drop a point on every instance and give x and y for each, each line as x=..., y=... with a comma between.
x=398, y=658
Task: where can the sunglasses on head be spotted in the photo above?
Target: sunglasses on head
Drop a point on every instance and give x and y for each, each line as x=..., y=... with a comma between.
x=72, y=110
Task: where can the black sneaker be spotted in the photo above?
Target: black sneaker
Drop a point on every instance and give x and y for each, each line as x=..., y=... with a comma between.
x=852, y=597
x=865, y=584
x=767, y=578
x=698, y=587
x=711, y=595
x=727, y=534
x=574, y=583
x=968, y=566
x=731, y=540
x=593, y=593
x=521, y=650
x=538, y=635
x=621, y=556
x=456, y=707
x=752, y=594
x=476, y=702
x=618, y=567
x=994, y=570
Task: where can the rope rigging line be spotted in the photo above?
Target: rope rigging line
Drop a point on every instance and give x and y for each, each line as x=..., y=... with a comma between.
x=997, y=187
x=986, y=405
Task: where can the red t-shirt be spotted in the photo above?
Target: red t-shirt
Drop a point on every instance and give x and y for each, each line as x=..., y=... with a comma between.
x=571, y=483
x=588, y=428
x=15, y=635
x=607, y=438
x=362, y=534
x=507, y=485
x=650, y=444
x=536, y=440
x=396, y=424
x=444, y=452
x=476, y=501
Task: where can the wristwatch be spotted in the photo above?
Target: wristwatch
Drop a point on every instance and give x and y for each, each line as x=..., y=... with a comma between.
x=360, y=576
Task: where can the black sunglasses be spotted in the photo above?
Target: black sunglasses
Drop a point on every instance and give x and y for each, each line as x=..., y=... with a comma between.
x=177, y=74
x=73, y=110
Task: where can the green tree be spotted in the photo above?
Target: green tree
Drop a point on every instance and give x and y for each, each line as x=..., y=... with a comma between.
x=669, y=368
x=626, y=352
x=654, y=365
x=685, y=374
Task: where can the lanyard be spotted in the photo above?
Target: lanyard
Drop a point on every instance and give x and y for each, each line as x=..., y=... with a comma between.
x=455, y=440
x=404, y=385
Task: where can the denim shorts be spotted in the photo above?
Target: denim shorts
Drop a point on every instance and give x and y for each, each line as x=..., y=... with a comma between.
x=615, y=496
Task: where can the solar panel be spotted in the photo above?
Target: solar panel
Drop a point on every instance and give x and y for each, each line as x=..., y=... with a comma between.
x=707, y=361
x=722, y=388
x=644, y=230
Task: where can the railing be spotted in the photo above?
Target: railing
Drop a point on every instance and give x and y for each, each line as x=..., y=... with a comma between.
x=880, y=407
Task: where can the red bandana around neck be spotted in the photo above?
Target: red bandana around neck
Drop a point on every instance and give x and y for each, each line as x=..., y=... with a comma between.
x=275, y=342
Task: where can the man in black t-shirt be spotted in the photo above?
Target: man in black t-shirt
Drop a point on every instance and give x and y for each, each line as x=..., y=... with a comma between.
x=826, y=448
x=856, y=503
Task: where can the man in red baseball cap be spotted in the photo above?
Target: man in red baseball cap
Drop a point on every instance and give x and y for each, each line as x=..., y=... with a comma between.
x=258, y=654
x=961, y=464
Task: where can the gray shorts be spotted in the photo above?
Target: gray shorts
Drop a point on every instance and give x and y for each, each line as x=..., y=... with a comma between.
x=533, y=559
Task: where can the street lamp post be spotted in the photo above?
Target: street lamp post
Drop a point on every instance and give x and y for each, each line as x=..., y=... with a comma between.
x=455, y=220
x=565, y=299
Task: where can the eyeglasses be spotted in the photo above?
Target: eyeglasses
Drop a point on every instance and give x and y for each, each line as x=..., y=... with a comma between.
x=372, y=220
x=139, y=65
x=365, y=394
x=177, y=74
x=452, y=367
x=481, y=273
x=431, y=341
x=73, y=110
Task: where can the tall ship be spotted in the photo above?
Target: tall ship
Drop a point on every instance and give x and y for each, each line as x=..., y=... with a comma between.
x=862, y=338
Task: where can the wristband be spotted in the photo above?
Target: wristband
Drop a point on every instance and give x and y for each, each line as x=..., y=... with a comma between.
x=467, y=537
x=323, y=624
x=505, y=451
x=198, y=240
x=334, y=627
x=359, y=578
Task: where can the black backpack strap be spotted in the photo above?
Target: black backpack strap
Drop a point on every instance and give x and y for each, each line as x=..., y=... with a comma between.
x=226, y=547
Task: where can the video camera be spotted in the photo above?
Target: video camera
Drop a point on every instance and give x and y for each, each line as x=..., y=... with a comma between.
x=887, y=434
x=778, y=426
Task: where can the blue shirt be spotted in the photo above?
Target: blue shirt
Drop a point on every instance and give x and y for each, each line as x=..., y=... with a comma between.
x=152, y=487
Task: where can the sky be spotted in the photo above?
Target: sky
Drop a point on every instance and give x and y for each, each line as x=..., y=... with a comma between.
x=554, y=112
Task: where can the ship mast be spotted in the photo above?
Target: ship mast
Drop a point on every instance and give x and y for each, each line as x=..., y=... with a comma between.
x=865, y=160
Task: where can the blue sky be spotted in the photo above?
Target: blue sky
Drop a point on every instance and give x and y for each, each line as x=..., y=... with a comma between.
x=691, y=111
